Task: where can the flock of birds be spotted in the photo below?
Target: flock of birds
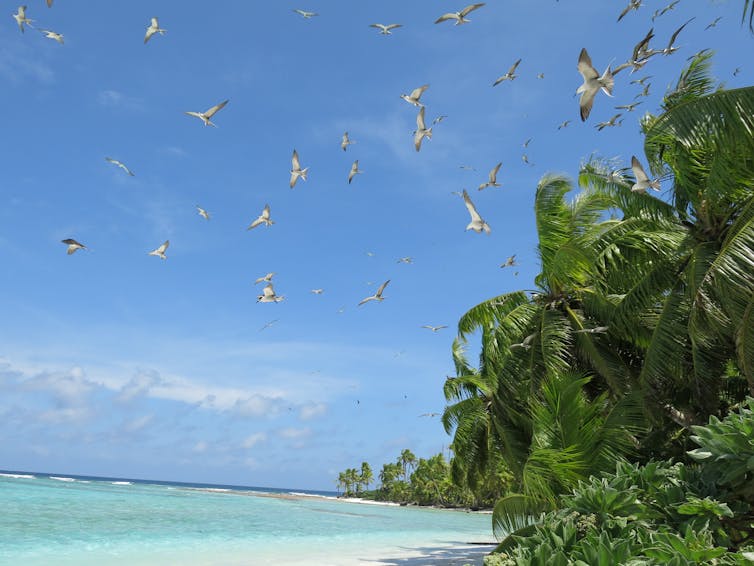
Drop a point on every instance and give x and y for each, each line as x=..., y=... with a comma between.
x=593, y=83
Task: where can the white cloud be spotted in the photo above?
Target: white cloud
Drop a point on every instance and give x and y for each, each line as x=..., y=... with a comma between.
x=138, y=386
x=138, y=423
x=295, y=433
x=257, y=406
x=312, y=410
x=115, y=99
x=254, y=439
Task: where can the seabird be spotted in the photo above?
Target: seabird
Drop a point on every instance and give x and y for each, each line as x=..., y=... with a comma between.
x=477, y=222
x=207, y=115
x=593, y=82
x=492, y=179
x=296, y=170
x=377, y=296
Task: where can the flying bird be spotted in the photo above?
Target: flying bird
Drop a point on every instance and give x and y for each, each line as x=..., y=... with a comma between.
x=632, y=5
x=640, y=55
x=477, y=222
x=296, y=170
x=712, y=24
x=641, y=81
x=266, y=278
x=540, y=75
x=268, y=295
x=407, y=259
x=354, y=171
x=160, y=251
x=207, y=115
x=492, y=178
x=526, y=143
x=53, y=35
x=377, y=296
x=73, y=245
x=317, y=291
x=203, y=213
x=415, y=95
x=593, y=82
x=525, y=159
x=564, y=124
x=263, y=218
x=429, y=415
x=119, y=164
x=628, y=107
x=642, y=180
x=595, y=330
x=610, y=123
x=439, y=119
x=304, y=14
x=434, y=328
x=665, y=10
x=153, y=28
x=21, y=19
x=345, y=141
x=267, y=325
x=385, y=29
x=510, y=262
x=459, y=17
x=670, y=49
x=509, y=75
x=421, y=130
x=526, y=344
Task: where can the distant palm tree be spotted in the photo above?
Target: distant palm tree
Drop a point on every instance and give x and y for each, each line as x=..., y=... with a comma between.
x=407, y=460
x=366, y=477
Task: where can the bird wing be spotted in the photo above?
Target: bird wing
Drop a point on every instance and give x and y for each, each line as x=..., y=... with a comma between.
x=446, y=17
x=420, y=125
x=266, y=212
x=471, y=208
x=217, y=107
x=585, y=103
x=295, y=162
x=163, y=248
x=513, y=67
x=71, y=242
x=381, y=288
x=625, y=11
x=417, y=92
x=676, y=32
x=354, y=170
x=470, y=8
x=378, y=26
x=585, y=66
x=643, y=44
x=268, y=290
x=393, y=26
x=638, y=170
x=493, y=173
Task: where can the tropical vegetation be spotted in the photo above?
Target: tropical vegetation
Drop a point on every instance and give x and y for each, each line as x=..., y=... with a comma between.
x=639, y=330
x=422, y=481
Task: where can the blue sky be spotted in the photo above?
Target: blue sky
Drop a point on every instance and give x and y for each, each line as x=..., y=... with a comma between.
x=116, y=363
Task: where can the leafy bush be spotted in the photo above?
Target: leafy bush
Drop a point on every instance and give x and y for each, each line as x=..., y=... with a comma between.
x=659, y=513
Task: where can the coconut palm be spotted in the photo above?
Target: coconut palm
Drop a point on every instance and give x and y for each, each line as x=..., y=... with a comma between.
x=366, y=476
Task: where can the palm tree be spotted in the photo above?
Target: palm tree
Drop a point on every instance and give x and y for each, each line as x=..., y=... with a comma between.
x=366, y=475
x=688, y=309
x=407, y=460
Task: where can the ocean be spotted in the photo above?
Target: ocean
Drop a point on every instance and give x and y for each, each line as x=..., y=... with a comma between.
x=86, y=521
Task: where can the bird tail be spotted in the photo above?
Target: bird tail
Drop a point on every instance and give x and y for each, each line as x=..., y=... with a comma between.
x=607, y=81
x=655, y=184
x=428, y=133
x=303, y=173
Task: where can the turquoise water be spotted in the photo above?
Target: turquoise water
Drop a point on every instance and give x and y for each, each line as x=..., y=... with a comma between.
x=59, y=521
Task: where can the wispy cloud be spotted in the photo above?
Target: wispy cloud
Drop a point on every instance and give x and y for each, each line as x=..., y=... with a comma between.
x=115, y=99
x=312, y=411
x=20, y=65
x=254, y=439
